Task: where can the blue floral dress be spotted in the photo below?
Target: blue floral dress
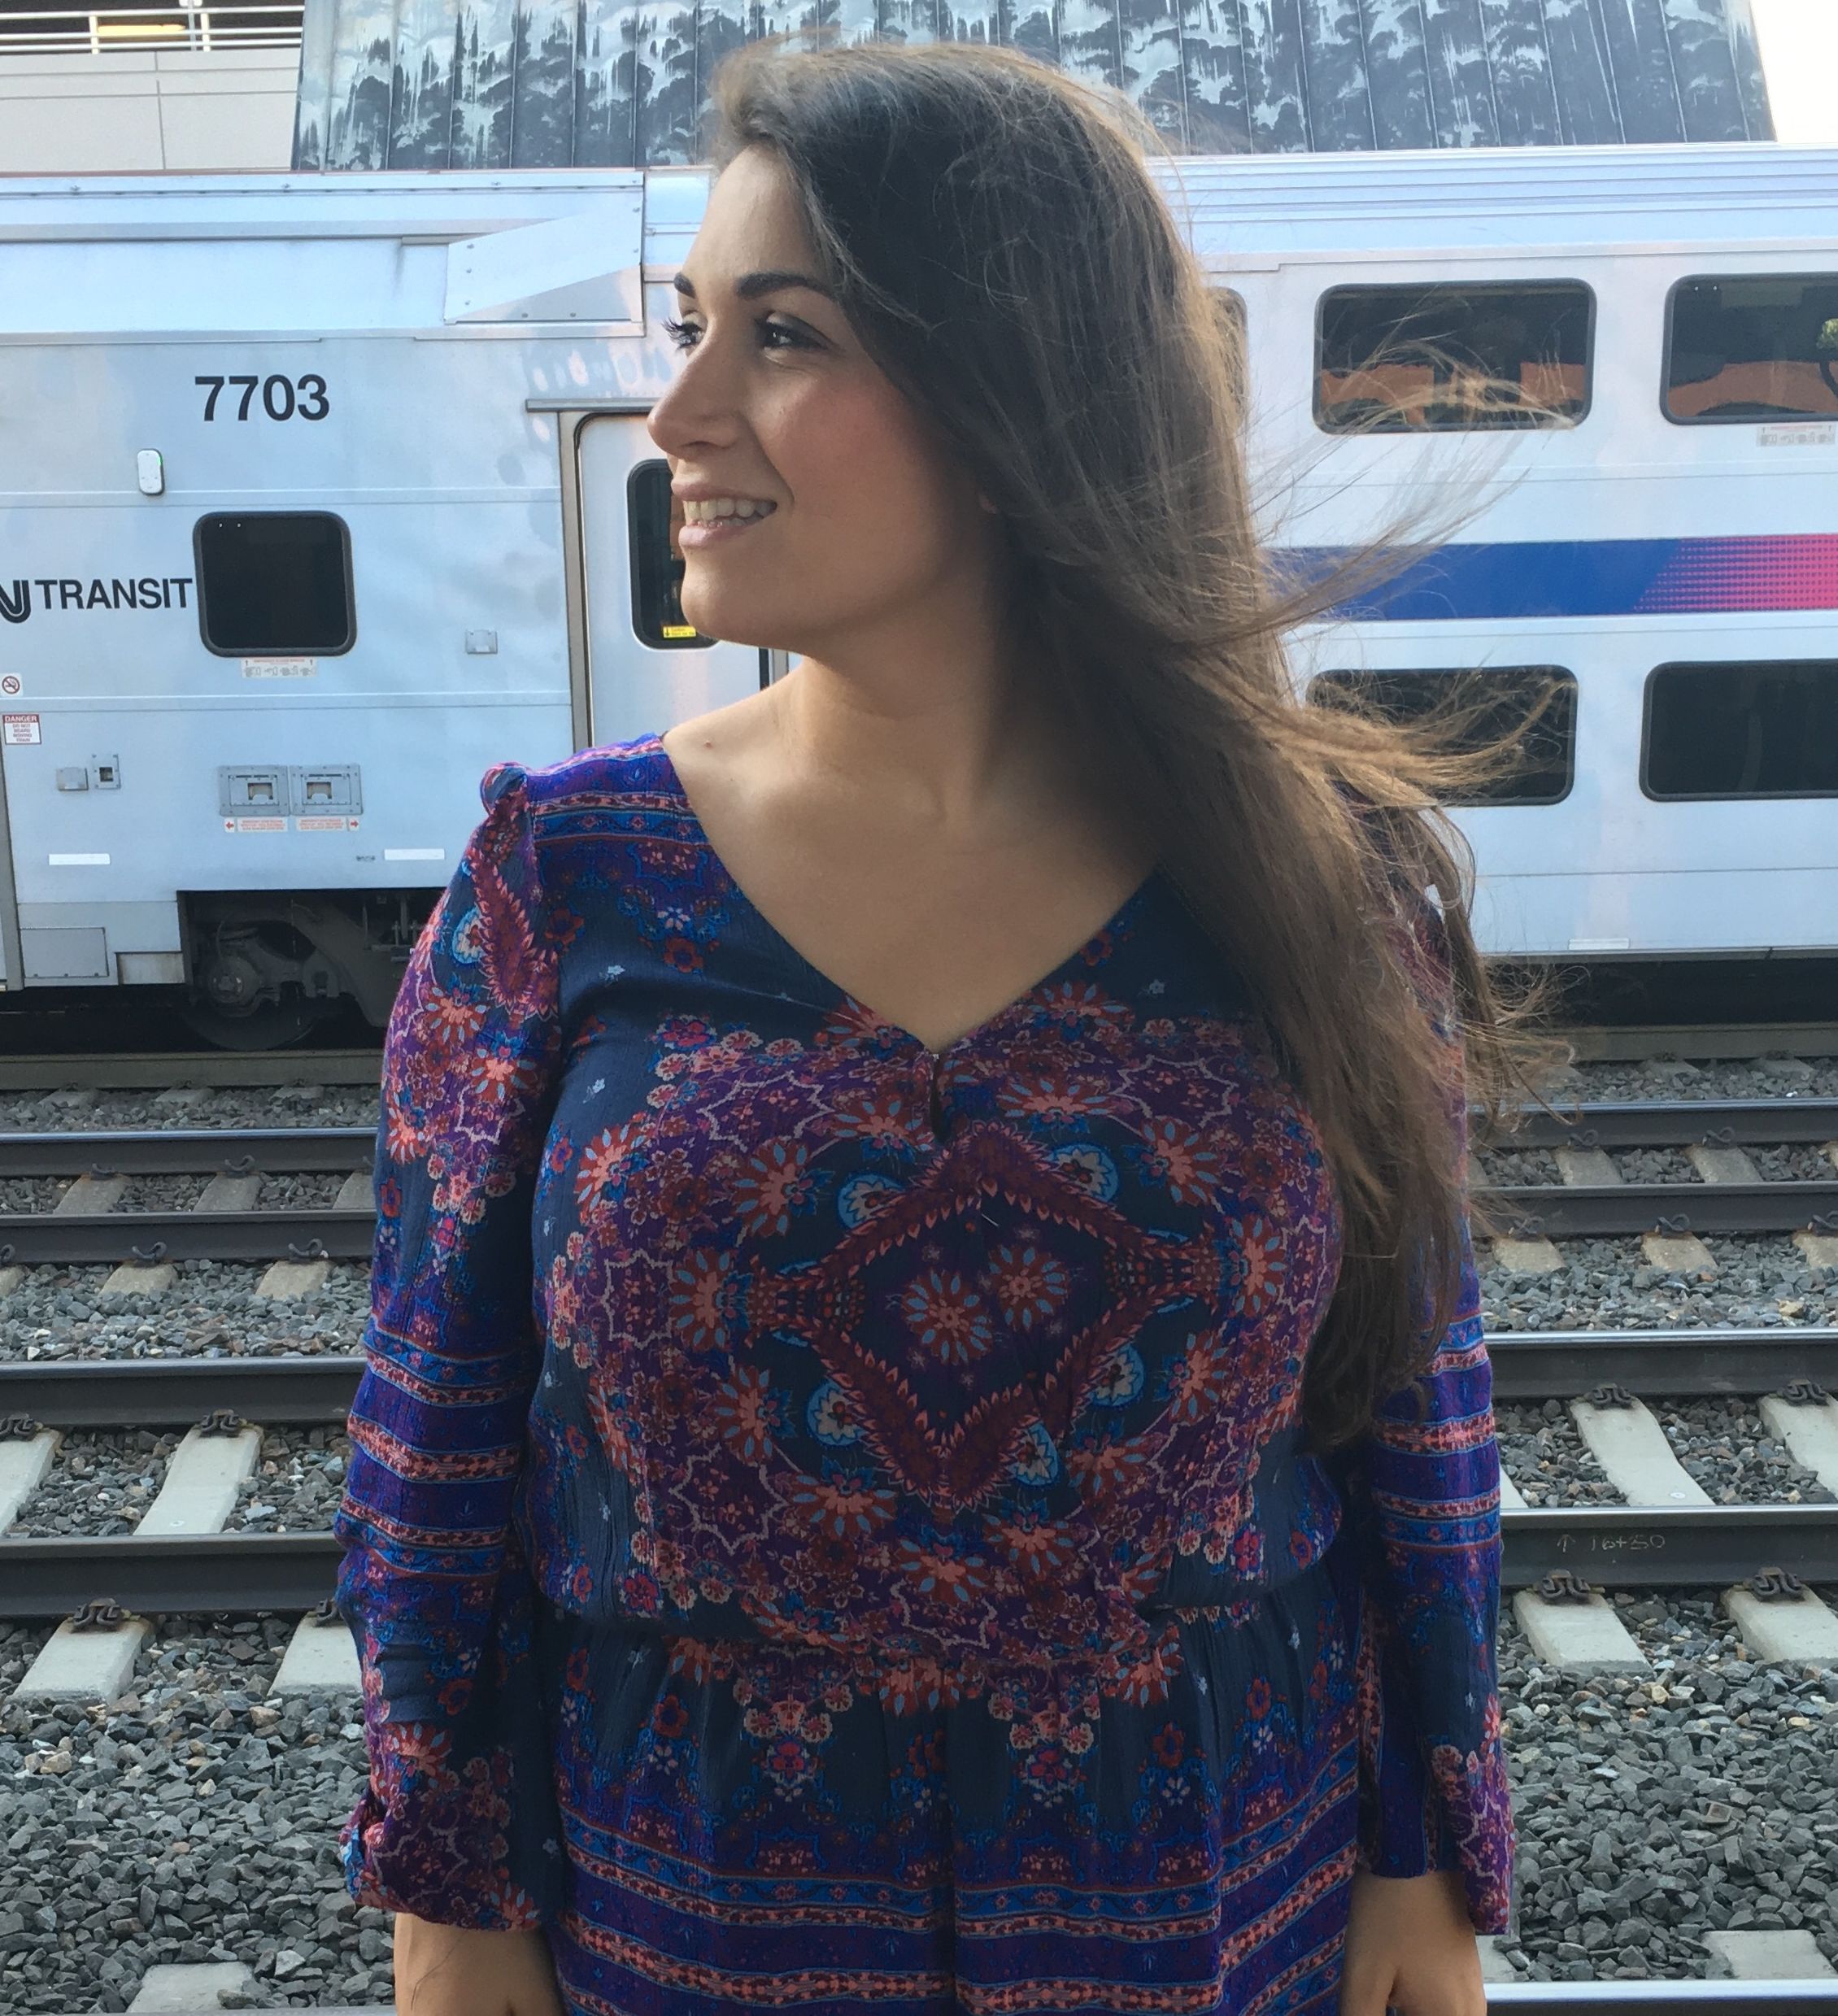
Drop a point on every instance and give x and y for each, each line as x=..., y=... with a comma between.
x=828, y=1529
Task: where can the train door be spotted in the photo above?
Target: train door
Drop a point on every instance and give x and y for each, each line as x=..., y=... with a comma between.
x=645, y=667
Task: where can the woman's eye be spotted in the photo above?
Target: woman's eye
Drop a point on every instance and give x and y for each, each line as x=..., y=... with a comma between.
x=772, y=335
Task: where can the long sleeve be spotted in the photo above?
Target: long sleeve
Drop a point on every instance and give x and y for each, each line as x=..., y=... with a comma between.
x=1423, y=1499
x=458, y=1822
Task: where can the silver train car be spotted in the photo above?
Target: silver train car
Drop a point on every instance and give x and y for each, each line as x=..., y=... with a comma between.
x=320, y=494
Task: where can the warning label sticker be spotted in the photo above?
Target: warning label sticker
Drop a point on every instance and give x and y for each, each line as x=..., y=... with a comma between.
x=279, y=668
x=325, y=822
x=18, y=728
x=264, y=823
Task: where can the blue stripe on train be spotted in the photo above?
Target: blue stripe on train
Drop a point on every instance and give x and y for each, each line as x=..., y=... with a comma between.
x=1589, y=577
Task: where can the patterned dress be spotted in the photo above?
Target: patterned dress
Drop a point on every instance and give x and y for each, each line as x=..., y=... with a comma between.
x=827, y=1530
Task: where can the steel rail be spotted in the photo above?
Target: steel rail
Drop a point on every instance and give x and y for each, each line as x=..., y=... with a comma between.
x=114, y=1238
x=295, y=1391
x=1662, y=1123
x=185, y=1151
x=160, y=1070
x=1558, y=1211
x=1594, y=1124
x=1614, y=1547
x=1656, y=1364
x=1519, y=1211
x=175, y=1392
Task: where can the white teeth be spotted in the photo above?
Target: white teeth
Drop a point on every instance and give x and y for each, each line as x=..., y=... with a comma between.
x=704, y=510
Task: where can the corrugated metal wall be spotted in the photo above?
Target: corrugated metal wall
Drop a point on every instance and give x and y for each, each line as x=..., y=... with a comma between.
x=484, y=84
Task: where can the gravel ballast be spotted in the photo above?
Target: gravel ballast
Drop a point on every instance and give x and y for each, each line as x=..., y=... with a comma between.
x=212, y=1312
x=297, y=1482
x=219, y=1106
x=195, y=1822
x=191, y=1821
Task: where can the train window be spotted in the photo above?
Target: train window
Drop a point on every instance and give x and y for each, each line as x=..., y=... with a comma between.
x=1746, y=729
x=1502, y=697
x=1438, y=358
x=274, y=581
x=1752, y=348
x=655, y=515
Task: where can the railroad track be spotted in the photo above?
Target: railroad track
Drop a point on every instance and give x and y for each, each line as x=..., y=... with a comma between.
x=1775, y=1548
x=1591, y=1202
x=108, y=1070
x=112, y=1070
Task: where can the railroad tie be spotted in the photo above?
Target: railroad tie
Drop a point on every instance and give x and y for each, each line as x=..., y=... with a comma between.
x=87, y=1658
x=226, y=1192
x=287, y=1280
x=1576, y=1629
x=90, y=1195
x=189, y=1989
x=1626, y=1438
x=24, y=1461
x=321, y=1658
x=1629, y=1442
x=1783, y=1956
x=93, y=1194
x=1810, y=1429
x=1818, y=1249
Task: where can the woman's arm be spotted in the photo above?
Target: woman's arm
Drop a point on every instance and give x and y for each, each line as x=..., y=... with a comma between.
x=457, y=1826
x=1422, y=1501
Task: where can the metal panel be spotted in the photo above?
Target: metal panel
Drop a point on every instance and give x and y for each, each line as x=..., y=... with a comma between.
x=1580, y=68
x=1275, y=82
x=1641, y=56
x=1150, y=33
x=1704, y=62
x=583, y=268
x=81, y=953
x=1461, y=83
x=1334, y=64
x=485, y=84
x=1213, y=77
x=1746, y=53
x=1397, y=73
x=1524, y=99
x=1091, y=40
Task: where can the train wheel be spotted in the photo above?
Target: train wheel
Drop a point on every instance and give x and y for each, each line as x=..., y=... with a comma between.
x=267, y=1027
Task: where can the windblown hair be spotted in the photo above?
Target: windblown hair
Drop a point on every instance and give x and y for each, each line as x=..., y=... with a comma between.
x=996, y=241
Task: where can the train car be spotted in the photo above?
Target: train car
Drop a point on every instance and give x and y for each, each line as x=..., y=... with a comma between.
x=320, y=494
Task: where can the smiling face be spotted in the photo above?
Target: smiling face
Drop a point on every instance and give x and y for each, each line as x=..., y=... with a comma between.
x=850, y=518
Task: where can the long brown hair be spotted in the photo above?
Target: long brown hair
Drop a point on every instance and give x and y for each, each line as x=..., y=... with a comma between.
x=994, y=238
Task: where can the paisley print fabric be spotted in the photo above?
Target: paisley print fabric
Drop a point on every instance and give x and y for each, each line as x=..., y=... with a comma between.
x=829, y=1527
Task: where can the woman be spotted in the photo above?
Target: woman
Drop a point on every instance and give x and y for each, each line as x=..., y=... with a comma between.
x=891, y=1473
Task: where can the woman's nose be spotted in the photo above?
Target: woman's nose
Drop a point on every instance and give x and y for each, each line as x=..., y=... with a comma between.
x=696, y=408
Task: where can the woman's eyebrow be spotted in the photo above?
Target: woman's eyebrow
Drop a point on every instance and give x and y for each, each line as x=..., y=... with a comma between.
x=769, y=282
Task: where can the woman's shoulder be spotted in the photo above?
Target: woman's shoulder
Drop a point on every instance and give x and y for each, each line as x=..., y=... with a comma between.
x=610, y=775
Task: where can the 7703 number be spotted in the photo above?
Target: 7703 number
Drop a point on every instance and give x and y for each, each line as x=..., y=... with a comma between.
x=281, y=398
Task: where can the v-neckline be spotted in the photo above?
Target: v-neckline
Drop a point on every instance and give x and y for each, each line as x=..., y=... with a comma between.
x=1077, y=957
